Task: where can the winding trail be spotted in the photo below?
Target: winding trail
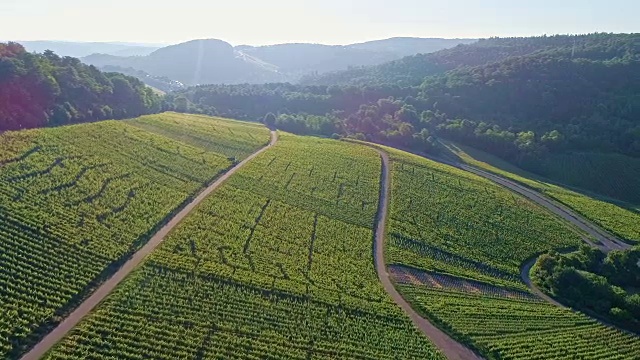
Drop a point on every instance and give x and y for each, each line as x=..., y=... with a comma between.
x=607, y=241
x=452, y=349
x=524, y=274
x=61, y=330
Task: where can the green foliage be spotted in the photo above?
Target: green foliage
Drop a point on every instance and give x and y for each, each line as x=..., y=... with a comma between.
x=472, y=236
x=76, y=201
x=473, y=227
x=521, y=329
x=44, y=89
x=591, y=281
x=532, y=101
x=276, y=263
x=620, y=219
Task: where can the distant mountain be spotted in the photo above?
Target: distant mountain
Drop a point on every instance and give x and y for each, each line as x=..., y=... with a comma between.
x=517, y=98
x=405, y=46
x=213, y=61
x=412, y=70
x=300, y=59
x=195, y=62
x=81, y=49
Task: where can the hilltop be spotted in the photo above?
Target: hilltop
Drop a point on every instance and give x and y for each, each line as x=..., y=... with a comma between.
x=212, y=61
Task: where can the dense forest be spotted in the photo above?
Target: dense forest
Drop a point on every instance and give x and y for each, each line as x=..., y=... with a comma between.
x=45, y=90
x=518, y=98
x=594, y=282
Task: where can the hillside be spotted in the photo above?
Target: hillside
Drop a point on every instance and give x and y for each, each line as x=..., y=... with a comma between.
x=283, y=259
x=46, y=90
x=76, y=201
x=459, y=264
x=581, y=181
x=211, y=61
x=535, y=100
x=407, y=46
x=411, y=70
x=301, y=59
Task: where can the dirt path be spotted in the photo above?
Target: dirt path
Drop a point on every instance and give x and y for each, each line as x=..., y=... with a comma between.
x=101, y=293
x=452, y=349
x=524, y=274
x=607, y=241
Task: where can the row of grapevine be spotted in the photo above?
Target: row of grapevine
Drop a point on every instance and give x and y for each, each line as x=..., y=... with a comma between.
x=252, y=275
x=233, y=139
x=621, y=219
x=74, y=203
x=411, y=276
x=521, y=329
x=455, y=244
x=169, y=314
x=469, y=216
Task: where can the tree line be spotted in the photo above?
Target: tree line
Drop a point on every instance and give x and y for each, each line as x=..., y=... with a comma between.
x=598, y=283
x=45, y=89
x=522, y=99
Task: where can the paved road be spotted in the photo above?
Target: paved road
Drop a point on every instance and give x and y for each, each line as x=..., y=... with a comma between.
x=452, y=349
x=101, y=293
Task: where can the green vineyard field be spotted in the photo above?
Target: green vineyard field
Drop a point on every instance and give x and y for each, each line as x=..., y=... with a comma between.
x=277, y=263
x=76, y=201
x=470, y=237
x=521, y=329
x=617, y=217
x=473, y=228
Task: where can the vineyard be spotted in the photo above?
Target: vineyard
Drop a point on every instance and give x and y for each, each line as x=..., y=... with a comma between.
x=521, y=329
x=473, y=228
x=76, y=201
x=455, y=244
x=234, y=139
x=277, y=263
x=619, y=218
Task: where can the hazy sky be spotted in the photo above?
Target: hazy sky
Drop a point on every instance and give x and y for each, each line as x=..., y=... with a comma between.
x=258, y=22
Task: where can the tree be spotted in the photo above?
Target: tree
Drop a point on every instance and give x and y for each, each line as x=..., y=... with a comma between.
x=269, y=120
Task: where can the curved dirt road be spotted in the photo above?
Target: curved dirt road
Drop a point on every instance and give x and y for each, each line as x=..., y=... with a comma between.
x=607, y=241
x=101, y=292
x=524, y=274
x=452, y=349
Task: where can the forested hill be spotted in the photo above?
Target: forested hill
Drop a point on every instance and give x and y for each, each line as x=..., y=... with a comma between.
x=525, y=99
x=411, y=70
x=44, y=89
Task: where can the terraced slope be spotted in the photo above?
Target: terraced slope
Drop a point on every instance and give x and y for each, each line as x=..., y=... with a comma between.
x=76, y=201
x=455, y=246
x=277, y=263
